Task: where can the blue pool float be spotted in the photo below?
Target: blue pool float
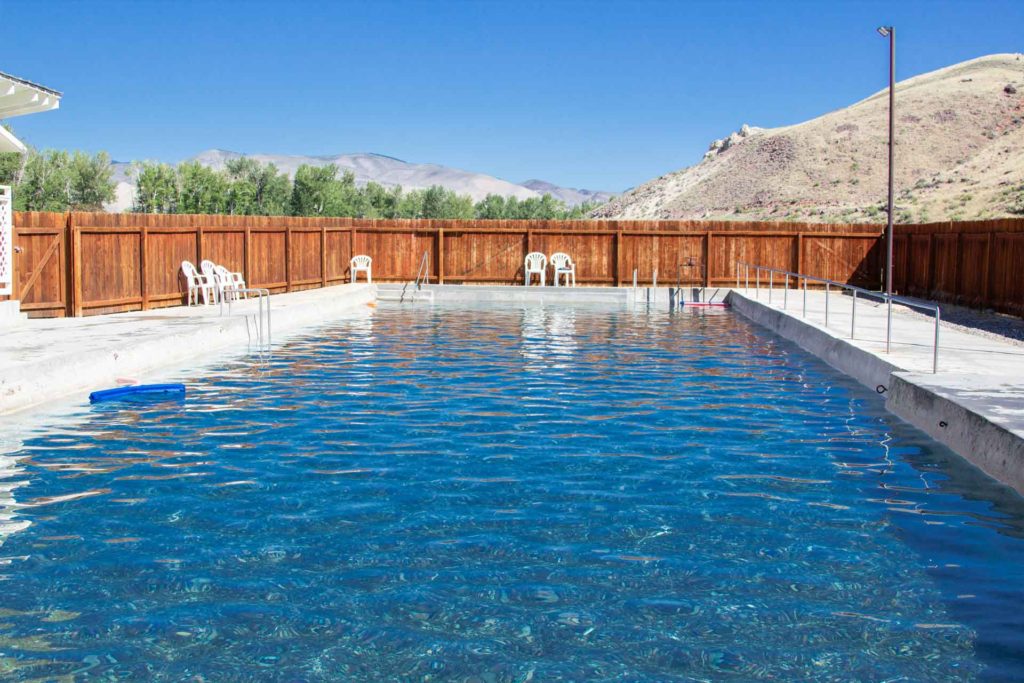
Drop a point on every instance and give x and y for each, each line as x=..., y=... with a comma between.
x=156, y=390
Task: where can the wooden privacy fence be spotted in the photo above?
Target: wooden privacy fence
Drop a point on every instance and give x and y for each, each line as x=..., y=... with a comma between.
x=90, y=263
x=972, y=263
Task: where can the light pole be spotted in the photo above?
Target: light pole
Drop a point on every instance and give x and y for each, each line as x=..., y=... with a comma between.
x=890, y=33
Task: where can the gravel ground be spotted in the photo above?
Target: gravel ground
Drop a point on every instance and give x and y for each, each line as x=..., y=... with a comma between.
x=982, y=323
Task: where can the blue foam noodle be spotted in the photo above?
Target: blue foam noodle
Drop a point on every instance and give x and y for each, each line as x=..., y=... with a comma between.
x=139, y=391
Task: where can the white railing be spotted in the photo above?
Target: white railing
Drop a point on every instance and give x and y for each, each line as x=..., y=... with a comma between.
x=6, y=242
x=829, y=285
x=230, y=295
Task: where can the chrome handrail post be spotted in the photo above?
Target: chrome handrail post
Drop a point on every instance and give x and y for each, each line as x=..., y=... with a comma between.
x=785, y=293
x=935, y=352
x=853, y=314
x=888, y=324
x=827, y=285
x=771, y=285
x=805, y=297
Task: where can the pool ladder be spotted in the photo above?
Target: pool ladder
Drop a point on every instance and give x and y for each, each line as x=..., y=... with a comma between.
x=261, y=321
x=422, y=278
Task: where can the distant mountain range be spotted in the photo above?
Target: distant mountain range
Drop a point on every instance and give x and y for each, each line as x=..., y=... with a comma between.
x=382, y=169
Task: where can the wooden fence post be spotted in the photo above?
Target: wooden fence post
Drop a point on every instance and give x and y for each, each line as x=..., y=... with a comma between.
x=990, y=254
x=323, y=255
x=143, y=286
x=929, y=278
x=69, y=266
x=440, y=255
x=288, y=258
x=77, y=277
x=956, y=267
x=247, y=257
x=351, y=243
x=707, y=259
x=617, y=264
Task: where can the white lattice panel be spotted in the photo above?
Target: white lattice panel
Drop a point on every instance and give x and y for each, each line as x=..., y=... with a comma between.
x=6, y=242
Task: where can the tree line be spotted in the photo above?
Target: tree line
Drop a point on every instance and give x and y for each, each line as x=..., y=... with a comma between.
x=54, y=180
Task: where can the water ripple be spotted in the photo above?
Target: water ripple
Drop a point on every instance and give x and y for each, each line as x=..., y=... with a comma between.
x=507, y=495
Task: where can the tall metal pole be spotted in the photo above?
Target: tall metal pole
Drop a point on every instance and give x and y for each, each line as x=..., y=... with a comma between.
x=890, y=32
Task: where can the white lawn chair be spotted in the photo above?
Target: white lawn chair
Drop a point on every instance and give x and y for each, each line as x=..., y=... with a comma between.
x=361, y=264
x=535, y=262
x=563, y=266
x=231, y=283
x=209, y=269
x=198, y=283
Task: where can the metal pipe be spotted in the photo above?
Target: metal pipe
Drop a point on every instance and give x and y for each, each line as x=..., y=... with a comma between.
x=805, y=297
x=935, y=351
x=853, y=315
x=888, y=324
x=757, y=282
x=785, y=294
x=826, y=303
x=890, y=33
x=771, y=284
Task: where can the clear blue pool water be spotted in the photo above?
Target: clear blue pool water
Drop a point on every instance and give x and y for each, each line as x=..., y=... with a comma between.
x=508, y=495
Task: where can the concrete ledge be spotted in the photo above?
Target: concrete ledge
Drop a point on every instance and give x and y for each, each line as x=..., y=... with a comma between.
x=46, y=360
x=979, y=416
x=663, y=297
x=619, y=296
x=942, y=414
x=863, y=366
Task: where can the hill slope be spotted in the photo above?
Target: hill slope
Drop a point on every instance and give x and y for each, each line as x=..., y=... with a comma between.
x=378, y=168
x=959, y=145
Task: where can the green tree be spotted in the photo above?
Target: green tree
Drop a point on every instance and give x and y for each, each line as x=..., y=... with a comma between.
x=11, y=165
x=381, y=202
x=315, y=191
x=45, y=182
x=441, y=203
x=351, y=201
x=90, y=182
x=156, y=188
x=491, y=207
x=256, y=189
x=200, y=189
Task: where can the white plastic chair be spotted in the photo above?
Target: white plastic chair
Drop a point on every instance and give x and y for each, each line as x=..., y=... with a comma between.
x=197, y=284
x=209, y=269
x=361, y=264
x=231, y=283
x=535, y=262
x=563, y=266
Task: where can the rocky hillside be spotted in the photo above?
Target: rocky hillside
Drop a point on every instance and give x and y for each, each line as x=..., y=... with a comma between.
x=382, y=169
x=959, y=155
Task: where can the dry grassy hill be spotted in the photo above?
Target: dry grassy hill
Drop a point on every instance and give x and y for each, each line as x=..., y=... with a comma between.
x=959, y=145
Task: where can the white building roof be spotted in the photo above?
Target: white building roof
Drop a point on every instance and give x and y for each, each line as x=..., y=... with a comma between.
x=17, y=98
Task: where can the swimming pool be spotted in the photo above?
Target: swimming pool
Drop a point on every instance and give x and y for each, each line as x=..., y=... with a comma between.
x=457, y=493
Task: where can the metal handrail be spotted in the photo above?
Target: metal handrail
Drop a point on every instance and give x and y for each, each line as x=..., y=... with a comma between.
x=886, y=298
x=424, y=270
x=231, y=294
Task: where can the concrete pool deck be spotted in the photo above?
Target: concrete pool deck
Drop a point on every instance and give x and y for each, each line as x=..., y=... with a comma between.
x=974, y=403
x=46, y=359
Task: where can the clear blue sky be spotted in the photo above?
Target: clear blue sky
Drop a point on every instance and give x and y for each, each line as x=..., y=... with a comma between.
x=601, y=95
